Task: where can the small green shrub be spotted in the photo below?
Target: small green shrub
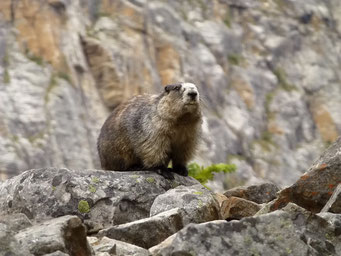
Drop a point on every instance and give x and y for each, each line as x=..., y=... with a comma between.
x=204, y=174
x=235, y=59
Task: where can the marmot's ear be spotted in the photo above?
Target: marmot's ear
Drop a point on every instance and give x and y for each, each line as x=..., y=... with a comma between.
x=172, y=87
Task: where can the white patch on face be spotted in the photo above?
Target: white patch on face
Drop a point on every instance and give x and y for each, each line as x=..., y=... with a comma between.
x=187, y=90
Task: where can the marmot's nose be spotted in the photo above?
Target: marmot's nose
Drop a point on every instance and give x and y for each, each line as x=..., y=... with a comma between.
x=193, y=95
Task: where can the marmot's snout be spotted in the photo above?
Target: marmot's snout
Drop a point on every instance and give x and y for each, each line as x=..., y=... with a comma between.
x=190, y=94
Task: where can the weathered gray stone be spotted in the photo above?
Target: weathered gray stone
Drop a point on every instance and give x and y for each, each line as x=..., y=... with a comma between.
x=198, y=204
x=100, y=197
x=115, y=247
x=292, y=231
x=235, y=208
x=334, y=220
x=262, y=193
x=66, y=234
x=57, y=253
x=147, y=232
x=9, y=245
x=16, y=221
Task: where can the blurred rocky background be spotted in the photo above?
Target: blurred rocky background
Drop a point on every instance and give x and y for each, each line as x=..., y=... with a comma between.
x=269, y=73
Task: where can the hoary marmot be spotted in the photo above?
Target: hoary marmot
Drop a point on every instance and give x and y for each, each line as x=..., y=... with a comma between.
x=149, y=131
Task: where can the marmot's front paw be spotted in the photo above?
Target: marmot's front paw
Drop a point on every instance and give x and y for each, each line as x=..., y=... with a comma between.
x=180, y=169
x=165, y=172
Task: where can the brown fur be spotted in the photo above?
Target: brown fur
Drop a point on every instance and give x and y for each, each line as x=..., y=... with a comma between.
x=149, y=131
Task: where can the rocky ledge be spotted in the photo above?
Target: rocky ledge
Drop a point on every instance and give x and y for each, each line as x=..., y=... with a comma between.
x=92, y=212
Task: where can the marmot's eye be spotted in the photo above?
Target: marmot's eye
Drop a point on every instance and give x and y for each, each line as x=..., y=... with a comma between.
x=177, y=88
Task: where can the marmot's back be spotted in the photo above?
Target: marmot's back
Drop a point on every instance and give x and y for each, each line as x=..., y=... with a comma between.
x=150, y=130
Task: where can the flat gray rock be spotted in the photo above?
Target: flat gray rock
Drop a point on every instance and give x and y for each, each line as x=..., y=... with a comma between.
x=198, y=203
x=291, y=231
x=65, y=234
x=147, y=232
x=115, y=247
x=101, y=198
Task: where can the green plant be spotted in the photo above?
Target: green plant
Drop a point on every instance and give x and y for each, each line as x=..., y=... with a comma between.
x=65, y=76
x=282, y=79
x=83, y=206
x=35, y=58
x=7, y=78
x=204, y=174
x=235, y=59
x=227, y=19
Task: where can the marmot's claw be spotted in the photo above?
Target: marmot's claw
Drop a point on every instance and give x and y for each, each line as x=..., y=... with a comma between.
x=180, y=169
x=163, y=171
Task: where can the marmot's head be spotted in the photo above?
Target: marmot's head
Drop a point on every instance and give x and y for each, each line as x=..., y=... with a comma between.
x=181, y=99
x=185, y=94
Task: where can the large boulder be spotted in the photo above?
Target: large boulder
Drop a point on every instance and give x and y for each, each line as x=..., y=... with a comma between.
x=100, y=198
x=315, y=187
x=291, y=231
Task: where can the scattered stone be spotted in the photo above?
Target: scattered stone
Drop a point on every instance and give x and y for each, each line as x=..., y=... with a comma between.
x=16, y=221
x=334, y=220
x=103, y=198
x=334, y=203
x=147, y=232
x=315, y=187
x=66, y=234
x=57, y=253
x=115, y=247
x=198, y=204
x=9, y=245
x=262, y=193
x=235, y=208
x=292, y=231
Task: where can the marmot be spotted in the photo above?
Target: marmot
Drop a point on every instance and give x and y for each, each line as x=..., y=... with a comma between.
x=149, y=131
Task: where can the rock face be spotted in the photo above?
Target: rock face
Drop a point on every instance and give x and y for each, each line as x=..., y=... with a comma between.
x=101, y=198
x=268, y=71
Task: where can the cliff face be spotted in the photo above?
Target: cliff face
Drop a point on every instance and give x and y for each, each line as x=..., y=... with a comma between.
x=268, y=71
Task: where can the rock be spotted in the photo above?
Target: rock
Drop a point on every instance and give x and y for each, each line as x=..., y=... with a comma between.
x=334, y=220
x=292, y=231
x=235, y=208
x=66, y=234
x=262, y=193
x=198, y=204
x=57, y=253
x=101, y=198
x=61, y=236
x=149, y=231
x=115, y=247
x=334, y=203
x=9, y=245
x=16, y=221
x=314, y=188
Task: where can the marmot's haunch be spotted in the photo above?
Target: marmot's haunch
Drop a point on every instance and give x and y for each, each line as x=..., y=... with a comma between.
x=149, y=131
